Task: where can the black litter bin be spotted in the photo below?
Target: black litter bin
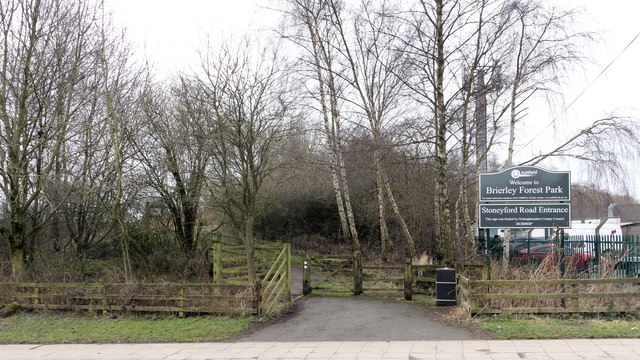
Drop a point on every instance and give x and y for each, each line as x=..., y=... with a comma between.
x=445, y=287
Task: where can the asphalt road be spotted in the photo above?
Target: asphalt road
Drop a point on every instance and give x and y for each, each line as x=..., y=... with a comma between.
x=357, y=319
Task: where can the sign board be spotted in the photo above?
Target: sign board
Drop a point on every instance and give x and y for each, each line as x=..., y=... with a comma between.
x=525, y=183
x=524, y=216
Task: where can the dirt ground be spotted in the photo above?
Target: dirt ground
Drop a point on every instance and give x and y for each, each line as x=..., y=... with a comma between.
x=354, y=318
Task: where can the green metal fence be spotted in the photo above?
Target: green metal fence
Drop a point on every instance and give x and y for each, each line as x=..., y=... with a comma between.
x=618, y=254
x=610, y=255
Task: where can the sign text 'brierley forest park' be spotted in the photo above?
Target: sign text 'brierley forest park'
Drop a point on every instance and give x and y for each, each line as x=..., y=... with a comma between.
x=525, y=183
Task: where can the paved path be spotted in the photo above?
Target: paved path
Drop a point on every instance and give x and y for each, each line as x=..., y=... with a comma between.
x=358, y=319
x=392, y=350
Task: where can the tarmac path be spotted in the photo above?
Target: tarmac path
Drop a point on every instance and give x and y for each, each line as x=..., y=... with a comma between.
x=357, y=319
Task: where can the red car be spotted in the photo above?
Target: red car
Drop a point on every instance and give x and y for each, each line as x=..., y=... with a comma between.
x=537, y=254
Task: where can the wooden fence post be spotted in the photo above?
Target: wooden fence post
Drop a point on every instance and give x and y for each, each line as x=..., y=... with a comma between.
x=258, y=287
x=357, y=272
x=217, y=263
x=408, y=281
x=181, y=302
x=288, y=247
x=473, y=302
x=306, y=278
x=105, y=299
x=36, y=295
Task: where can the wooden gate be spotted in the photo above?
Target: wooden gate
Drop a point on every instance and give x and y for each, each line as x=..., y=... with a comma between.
x=275, y=285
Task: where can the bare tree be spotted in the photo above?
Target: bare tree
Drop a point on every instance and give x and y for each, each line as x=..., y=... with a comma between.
x=544, y=49
x=604, y=145
x=316, y=36
x=80, y=189
x=249, y=109
x=436, y=32
x=174, y=153
x=376, y=67
x=451, y=46
x=121, y=84
x=47, y=47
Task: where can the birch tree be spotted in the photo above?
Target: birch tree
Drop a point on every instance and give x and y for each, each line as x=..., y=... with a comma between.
x=312, y=19
x=450, y=45
x=121, y=82
x=436, y=32
x=375, y=67
x=481, y=82
x=545, y=49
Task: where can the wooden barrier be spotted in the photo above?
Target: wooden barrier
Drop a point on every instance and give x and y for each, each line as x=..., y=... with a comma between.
x=230, y=293
x=556, y=296
x=343, y=273
x=330, y=274
x=276, y=284
x=177, y=298
x=230, y=261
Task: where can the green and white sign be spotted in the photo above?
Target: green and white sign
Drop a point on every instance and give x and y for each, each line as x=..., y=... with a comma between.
x=524, y=216
x=525, y=183
x=525, y=197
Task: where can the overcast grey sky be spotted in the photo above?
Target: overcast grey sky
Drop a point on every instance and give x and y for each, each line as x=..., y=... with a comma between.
x=170, y=32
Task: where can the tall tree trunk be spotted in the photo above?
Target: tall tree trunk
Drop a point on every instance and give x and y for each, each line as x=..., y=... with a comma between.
x=116, y=209
x=385, y=243
x=355, y=242
x=342, y=214
x=17, y=238
x=329, y=110
x=441, y=138
x=509, y=162
x=17, y=245
x=410, y=246
x=18, y=266
x=248, y=241
x=437, y=243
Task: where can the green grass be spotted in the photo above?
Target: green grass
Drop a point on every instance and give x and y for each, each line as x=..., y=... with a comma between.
x=47, y=328
x=297, y=261
x=532, y=327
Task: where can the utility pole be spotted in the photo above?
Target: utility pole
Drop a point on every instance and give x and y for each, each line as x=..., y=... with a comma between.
x=481, y=122
x=481, y=151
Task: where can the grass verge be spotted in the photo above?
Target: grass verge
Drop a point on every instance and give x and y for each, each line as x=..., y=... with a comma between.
x=48, y=328
x=534, y=327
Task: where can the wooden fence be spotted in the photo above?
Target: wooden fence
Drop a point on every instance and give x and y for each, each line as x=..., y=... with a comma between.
x=230, y=261
x=329, y=274
x=230, y=299
x=231, y=294
x=347, y=274
x=561, y=296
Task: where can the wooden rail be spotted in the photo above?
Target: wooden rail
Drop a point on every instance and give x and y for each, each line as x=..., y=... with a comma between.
x=347, y=273
x=554, y=296
x=168, y=297
x=230, y=261
x=329, y=274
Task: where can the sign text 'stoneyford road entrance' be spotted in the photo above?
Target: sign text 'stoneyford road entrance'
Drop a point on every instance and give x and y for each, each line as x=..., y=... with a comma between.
x=524, y=216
